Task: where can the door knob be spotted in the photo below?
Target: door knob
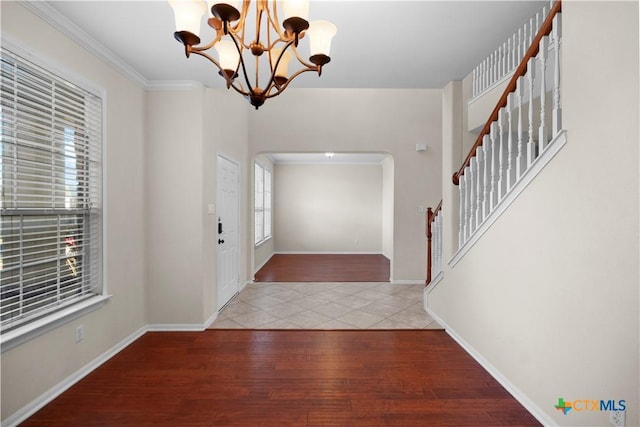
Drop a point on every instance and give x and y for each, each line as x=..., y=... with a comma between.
x=220, y=241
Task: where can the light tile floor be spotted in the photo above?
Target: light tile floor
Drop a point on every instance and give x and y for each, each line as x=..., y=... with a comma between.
x=326, y=306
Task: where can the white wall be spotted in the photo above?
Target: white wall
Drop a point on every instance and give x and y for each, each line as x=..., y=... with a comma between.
x=186, y=130
x=328, y=208
x=549, y=294
x=367, y=120
x=174, y=200
x=387, y=208
x=25, y=374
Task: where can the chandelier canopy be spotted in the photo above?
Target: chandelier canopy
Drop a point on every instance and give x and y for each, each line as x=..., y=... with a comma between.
x=278, y=39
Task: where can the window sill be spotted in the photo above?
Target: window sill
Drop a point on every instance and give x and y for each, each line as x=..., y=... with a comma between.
x=39, y=327
x=262, y=242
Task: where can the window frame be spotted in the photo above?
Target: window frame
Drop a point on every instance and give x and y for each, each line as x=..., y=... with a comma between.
x=49, y=320
x=260, y=206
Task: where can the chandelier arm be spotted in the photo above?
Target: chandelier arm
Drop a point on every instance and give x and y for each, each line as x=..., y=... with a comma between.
x=293, y=76
x=274, y=19
x=230, y=83
x=303, y=62
x=259, y=11
x=218, y=37
x=274, y=67
x=244, y=69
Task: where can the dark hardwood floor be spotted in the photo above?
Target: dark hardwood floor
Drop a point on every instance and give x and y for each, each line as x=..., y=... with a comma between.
x=325, y=268
x=287, y=378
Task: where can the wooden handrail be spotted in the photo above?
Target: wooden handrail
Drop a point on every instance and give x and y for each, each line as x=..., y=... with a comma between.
x=545, y=30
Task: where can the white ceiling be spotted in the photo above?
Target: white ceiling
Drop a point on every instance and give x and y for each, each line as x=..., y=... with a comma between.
x=379, y=44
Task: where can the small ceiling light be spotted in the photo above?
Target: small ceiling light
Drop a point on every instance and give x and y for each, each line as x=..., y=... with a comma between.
x=278, y=38
x=329, y=155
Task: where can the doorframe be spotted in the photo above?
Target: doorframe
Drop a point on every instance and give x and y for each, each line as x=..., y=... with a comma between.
x=238, y=216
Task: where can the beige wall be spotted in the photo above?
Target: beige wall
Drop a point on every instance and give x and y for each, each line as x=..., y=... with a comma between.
x=387, y=208
x=174, y=201
x=225, y=133
x=328, y=208
x=549, y=294
x=367, y=120
x=186, y=130
x=25, y=375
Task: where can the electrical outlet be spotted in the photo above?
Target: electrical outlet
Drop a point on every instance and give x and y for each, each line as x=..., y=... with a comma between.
x=617, y=418
x=79, y=333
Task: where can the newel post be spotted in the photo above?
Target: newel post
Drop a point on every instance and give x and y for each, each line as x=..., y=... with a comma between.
x=429, y=235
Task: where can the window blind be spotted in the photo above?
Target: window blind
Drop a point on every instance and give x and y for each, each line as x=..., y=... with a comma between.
x=51, y=199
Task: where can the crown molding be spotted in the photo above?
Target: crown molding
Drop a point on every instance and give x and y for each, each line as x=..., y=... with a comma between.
x=61, y=23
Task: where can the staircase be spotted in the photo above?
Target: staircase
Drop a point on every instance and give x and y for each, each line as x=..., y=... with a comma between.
x=522, y=134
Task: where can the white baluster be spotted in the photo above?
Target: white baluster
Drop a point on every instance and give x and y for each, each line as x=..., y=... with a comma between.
x=502, y=181
x=461, y=222
x=479, y=185
x=473, y=83
x=493, y=193
x=485, y=74
x=438, y=243
x=467, y=190
x=492, y=69
x=473, y=177
x=521, y=160
x=531, y=33
x=504, y=60
x=510, y=166
x=542, y=131
x=511, y=58
x=486, y=175
x=531, y=147
x=556, y=114
x=520, y=41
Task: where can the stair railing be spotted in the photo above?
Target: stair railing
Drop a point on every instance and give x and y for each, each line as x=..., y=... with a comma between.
x=501, y=62
x=507, y=145
x=434, y=242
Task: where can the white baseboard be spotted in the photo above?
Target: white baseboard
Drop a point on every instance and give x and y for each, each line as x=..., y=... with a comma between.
x=327, y=253
x=430, y=287
x=262, y=265
x=521, y=397
x=210, y=320
x=407, y=282
x=38, y=403
x=176, y=327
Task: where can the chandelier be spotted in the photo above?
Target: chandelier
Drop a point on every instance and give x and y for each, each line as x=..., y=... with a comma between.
x=277, y=39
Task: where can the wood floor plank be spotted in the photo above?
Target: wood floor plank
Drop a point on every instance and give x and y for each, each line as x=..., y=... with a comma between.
x=287, y=378
x=325, y=268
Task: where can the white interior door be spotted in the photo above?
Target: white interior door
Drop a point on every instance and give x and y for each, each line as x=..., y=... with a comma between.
x=227, y=238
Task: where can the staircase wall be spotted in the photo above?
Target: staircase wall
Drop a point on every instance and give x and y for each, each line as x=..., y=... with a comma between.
x=548, y=298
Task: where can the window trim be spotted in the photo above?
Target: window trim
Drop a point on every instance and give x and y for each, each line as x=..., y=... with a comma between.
x=50, y=321
x=270, y=236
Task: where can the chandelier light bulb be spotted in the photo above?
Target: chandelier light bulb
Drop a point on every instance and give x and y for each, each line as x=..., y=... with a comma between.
x=296, y=8
x=320, y=34
x=188, y=15
x=283, y=66
x=227, y=54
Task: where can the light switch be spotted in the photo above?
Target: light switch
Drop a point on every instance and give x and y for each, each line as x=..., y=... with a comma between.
x=212, y=209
